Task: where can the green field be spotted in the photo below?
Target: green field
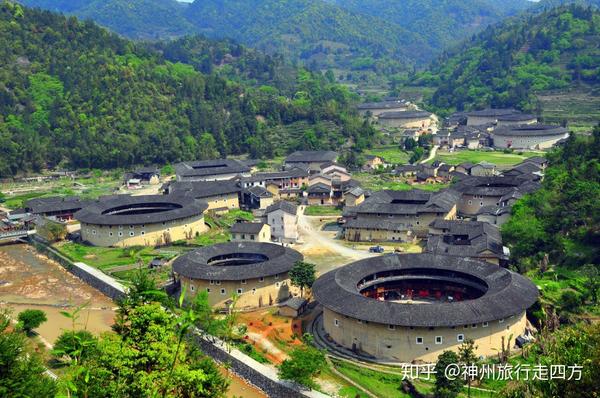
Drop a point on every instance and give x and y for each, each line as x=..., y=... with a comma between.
x=322, y=211
x=390, y=153
x=496, y=157
x=107, y=257
x=377, y=182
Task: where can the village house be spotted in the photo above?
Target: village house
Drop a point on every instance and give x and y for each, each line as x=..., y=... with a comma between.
x=57, y=208
x=408, y=119
x=406, y=170
x=373, y=162
x=376, y=108
x=211, y=170
x=294, y=307
x=354, y=197
x=256, y=198
x=473, y=239
x=398, y=215
x=146, y=175
x=479, y=192
x=444, y=171
x=483, y=169
x=320, y=194
x=282, y=216
x=528, y=136
x=250, y=231
x=309, y=160
x=464, y=168
x=335, y=171
x=221, y=196
x=287, y=183
x=524, y=169
x=485, y=116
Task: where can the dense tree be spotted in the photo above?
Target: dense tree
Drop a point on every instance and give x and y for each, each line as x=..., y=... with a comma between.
x=304, y=364
x=445, y=387
x=302, y=275
x=508, y=63
x=22, y=373
x=78, y=96
x=74, y=344
x=31, y=319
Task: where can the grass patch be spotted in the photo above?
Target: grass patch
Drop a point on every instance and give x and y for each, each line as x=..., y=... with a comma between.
x=213, y=236
x=106, y=257
x=251, y=351
x=496, y=157
x=226, y=220
x=377, y=182
x=390, y=153
x=322, y=211
x=383, y=385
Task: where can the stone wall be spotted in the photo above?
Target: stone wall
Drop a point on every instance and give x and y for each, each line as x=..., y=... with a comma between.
x=93, y=277
x=259, y=375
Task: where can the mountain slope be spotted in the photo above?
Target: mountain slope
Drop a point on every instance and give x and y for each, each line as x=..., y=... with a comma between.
x=508, y=64
x=372, y=35
x=75, y=95
x=440, y=23
x=138, y=19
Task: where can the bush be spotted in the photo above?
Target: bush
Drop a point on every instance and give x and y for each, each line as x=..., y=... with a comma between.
x=75, y=344
x=31, y=319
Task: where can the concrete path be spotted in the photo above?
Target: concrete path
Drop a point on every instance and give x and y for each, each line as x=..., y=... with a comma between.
x=312, y=235
x=431, y=154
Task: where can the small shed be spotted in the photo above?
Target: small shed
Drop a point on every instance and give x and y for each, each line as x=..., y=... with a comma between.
x=294, y=307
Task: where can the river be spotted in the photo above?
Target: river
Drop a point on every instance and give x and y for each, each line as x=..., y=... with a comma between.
x=29, y=280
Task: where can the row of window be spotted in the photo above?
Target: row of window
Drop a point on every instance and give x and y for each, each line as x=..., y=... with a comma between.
x=243, y=281
x=336, y=322
x=239, y=290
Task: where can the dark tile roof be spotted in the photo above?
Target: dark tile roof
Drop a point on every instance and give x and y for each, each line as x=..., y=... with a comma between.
x=319, y=188
x=247, y=227
x=516, y=117
x=539, y=160
x=295, y=303
x=311, y=156
x=493, y=186
x=529, y=130
x=125, y=209
x=200, y=263
x=204, y=189
x=404, y=115
x=215, y=167
x=506, y=293
x=290, y=173
x=523, y=168
x=55, y=204
x=414, y=201
x=493, y=112
x=260, y=192
x=283, y=205
x=381, y=105
x=465, y=238
x=368, y=223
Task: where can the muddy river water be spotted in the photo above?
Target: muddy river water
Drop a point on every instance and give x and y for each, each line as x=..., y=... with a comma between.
x=31, y=281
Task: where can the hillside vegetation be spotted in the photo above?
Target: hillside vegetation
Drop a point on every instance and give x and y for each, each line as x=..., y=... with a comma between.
x=366, y=37
x=72, y=94
x=507, y=65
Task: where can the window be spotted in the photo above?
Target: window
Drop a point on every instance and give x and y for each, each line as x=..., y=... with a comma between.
x=391, y=327
x=261, y=279
x=474, y=326
x=470, y=202
x=276, y=276
x=192, y=288
x=212, y=282
x=110, y=234
x=240, y=291
x=131, y=233
x=120, y=233
x=277, y=284
x=359, y=321
x=243, y=236
x=93, y=232
x=131, y=227
x=480, y=203
x=336, y=322
x=439, y=339
x=218, y=282
x=419, y=340
x=143, y=233
x=243, y=281
x=460, y=338
x=222, y=291
x=500, y=320
x=254, y=291
x=208, y=290
x=484, y=324
x=466, y=326
x=251, y=237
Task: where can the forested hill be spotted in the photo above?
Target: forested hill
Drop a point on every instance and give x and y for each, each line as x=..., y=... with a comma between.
x=508, y=64
x=73, y=94
x=439, y=23
x=367, y=36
